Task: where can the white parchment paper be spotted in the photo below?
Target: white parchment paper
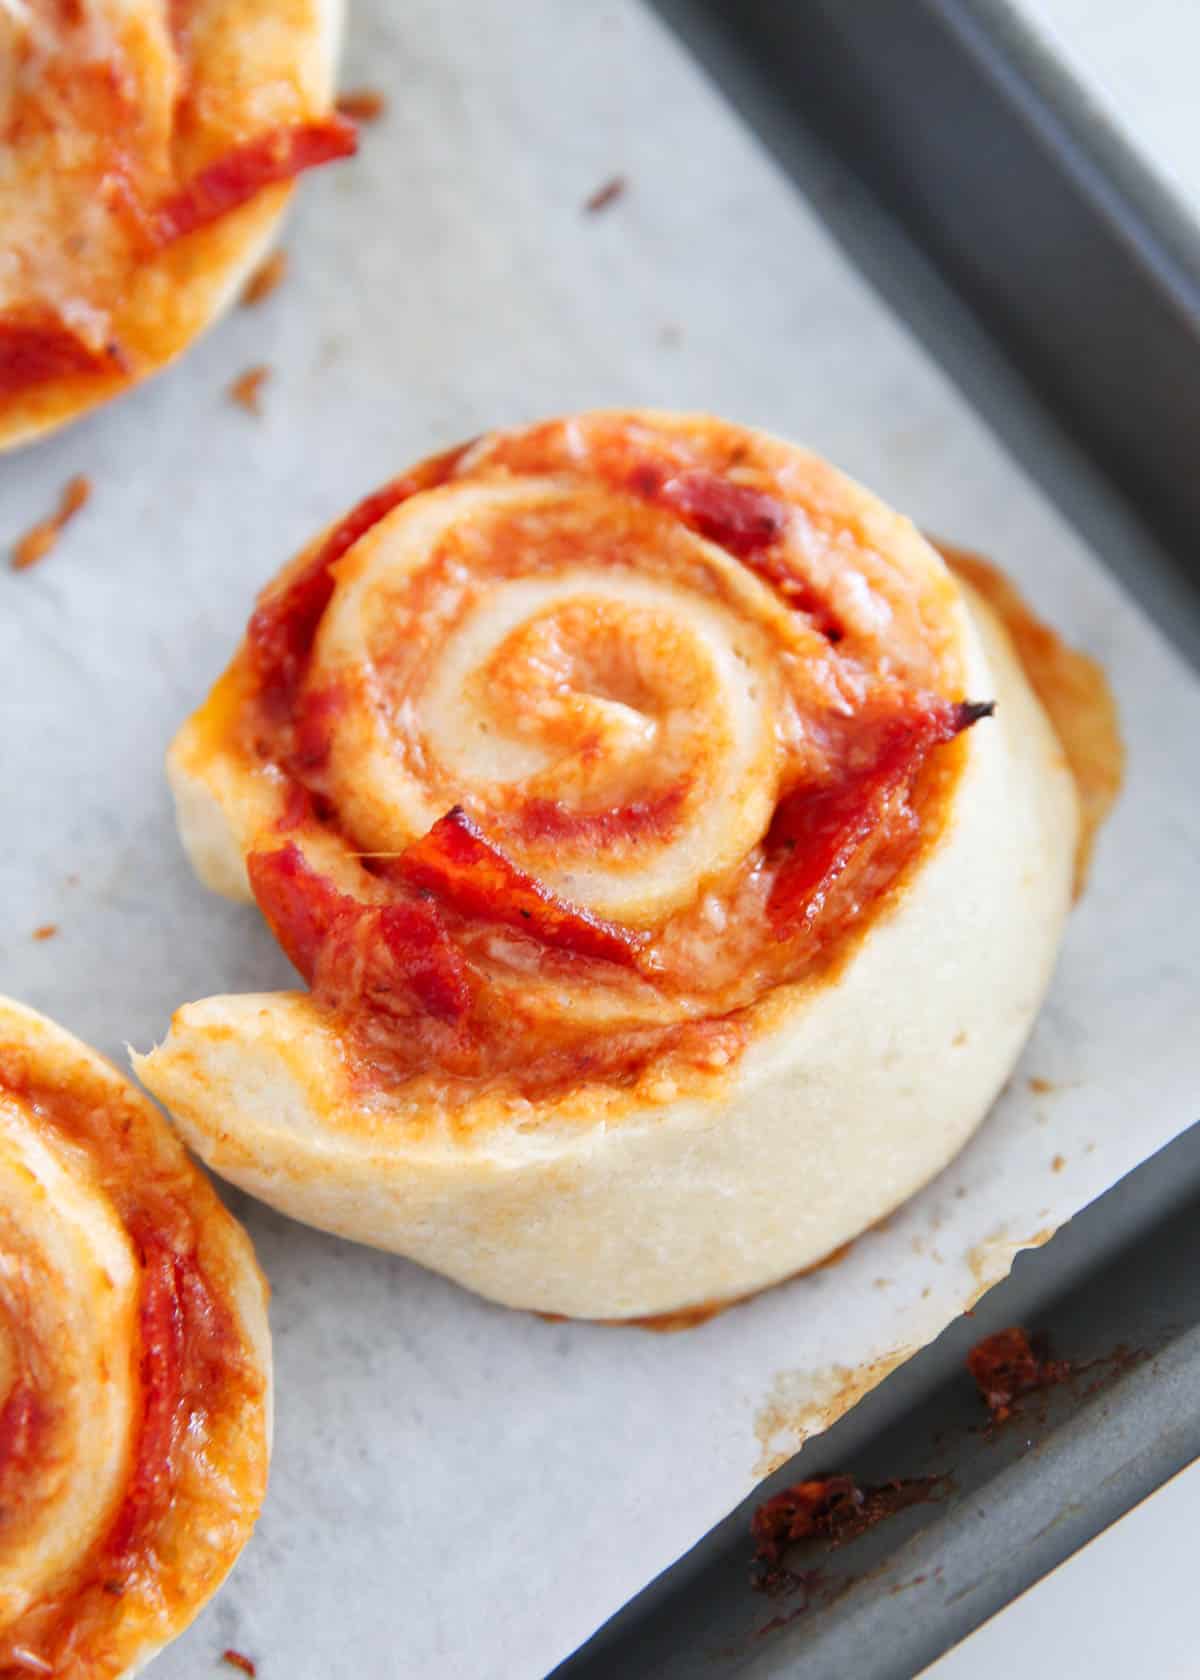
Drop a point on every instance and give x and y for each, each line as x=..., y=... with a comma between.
x=442, y=1466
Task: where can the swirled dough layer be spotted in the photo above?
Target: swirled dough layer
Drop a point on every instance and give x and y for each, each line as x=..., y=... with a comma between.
x=655, y=666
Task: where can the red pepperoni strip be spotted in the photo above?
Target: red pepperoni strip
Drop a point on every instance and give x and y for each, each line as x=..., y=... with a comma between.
x=549, y=820
x=397, y=958
x=281, y=631
x=279, y=155
x=747, y=524
x=739, y=519
x=465, y=870
x=821, y=831
x=33, y=352
x=163, y=1338
x=301, y=906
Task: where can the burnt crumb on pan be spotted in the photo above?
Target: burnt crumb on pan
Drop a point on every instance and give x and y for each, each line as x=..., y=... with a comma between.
x=1040, y=1087
x=246, y=389
x=832, y=1510
x=41, y=538
x=607, y=193
x=267, y=278
x=362, y=105
x=1010, y=1368
x=236, y=1659
x=1005, y=1366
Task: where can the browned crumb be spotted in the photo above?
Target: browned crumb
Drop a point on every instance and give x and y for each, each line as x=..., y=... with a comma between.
x=266, y=277
x=608, y=193
x=235, y=1659
x=364, y=105
x=46, y=931
x=37, y=542
x=1005, y=1365
x=1058, y=1163
x=1040, y=1086
x=832, y=1509
x=247, y=388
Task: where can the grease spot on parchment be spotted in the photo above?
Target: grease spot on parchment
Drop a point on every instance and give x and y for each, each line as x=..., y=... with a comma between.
x=803, y=1403
x=991, y=1260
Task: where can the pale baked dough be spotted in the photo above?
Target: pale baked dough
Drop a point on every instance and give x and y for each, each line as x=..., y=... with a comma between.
x=854, y=1091
x=188, y=287
x=70, y=1314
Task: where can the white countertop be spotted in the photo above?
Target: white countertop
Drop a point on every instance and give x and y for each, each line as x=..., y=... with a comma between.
x=1138, y=63
x=1123, y=1605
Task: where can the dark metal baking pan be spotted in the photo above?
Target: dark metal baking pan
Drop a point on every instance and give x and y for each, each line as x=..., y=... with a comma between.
x=1059, y=285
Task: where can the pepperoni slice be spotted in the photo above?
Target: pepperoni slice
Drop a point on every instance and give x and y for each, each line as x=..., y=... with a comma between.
x=35, y=351
x=279, y=155
x=549, y=820
x=822, y=831
x=161, y=1374
x=734, y=516
x=396, y=958
x=464, y=869
x=747, y=524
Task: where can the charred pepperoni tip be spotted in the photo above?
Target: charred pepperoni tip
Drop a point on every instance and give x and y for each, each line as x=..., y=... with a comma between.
x=968, y=712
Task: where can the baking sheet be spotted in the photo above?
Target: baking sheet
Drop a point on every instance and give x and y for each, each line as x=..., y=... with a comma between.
x=458, y=1489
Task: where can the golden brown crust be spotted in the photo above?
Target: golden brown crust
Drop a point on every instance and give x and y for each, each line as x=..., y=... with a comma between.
x=134, y=1367
x=202, y=82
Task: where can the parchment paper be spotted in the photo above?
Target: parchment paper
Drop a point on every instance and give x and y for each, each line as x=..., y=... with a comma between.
x=460, y=1490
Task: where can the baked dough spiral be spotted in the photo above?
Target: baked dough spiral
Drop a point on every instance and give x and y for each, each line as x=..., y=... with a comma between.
x=147, y=149
x=134, y=1368
x=613, y=785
